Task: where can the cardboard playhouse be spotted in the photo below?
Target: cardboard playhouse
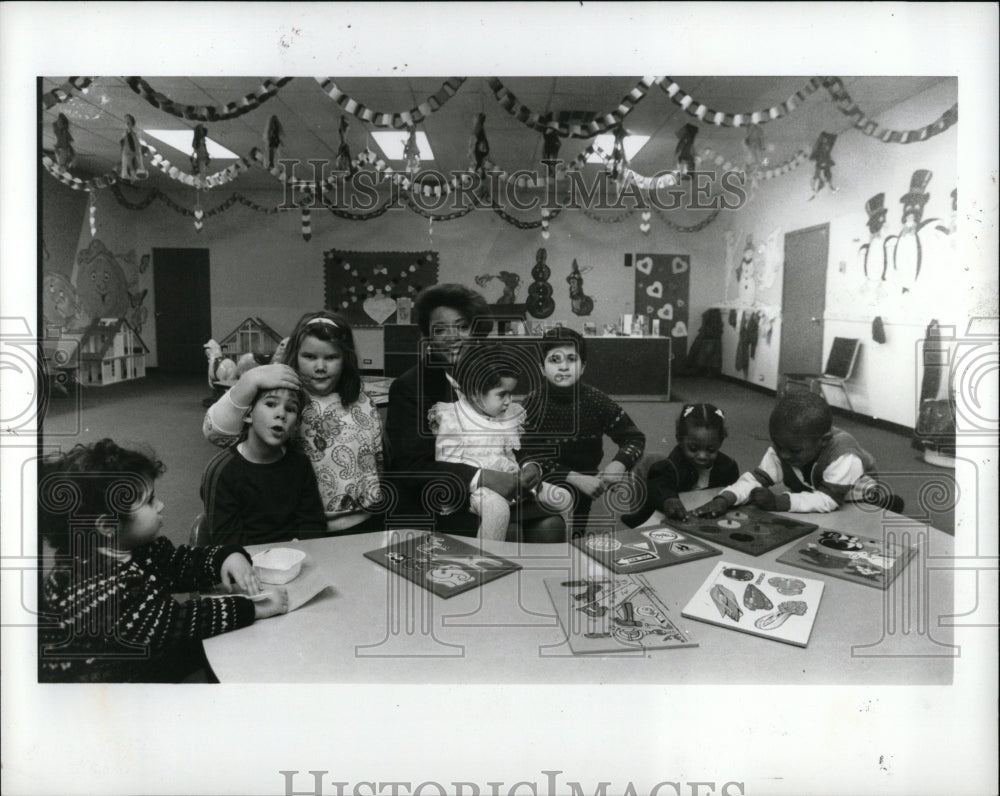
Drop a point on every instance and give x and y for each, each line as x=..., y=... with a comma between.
x=109, y=351
x=252, y=336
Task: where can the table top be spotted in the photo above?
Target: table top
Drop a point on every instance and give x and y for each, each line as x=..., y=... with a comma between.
x=371, y=625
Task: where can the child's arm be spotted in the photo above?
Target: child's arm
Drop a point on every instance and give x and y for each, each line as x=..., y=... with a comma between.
x=623, y=432
x=186, y=568
x=767, y=474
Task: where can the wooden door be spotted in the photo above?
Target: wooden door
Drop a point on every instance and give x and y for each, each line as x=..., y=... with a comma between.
x=803, y=300
x=183, y=309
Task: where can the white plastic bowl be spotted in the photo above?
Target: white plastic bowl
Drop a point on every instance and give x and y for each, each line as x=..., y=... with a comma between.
x=278, y=564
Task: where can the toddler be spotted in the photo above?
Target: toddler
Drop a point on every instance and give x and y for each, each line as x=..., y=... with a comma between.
x=696, y=462
x=259, y=490
x=483, y=429
x=822, y=466
x=340, y=429
x=110, y=593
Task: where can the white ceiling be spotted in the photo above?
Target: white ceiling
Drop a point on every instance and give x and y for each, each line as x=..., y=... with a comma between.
x=310, y=118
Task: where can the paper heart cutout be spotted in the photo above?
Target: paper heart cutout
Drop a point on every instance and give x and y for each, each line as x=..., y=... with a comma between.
x=645, y=265
x=666, y=312
x=199, y=214
x=679, y=266
x=655, y=290
x=379, y=308
x=679, y=330
x=646, y=215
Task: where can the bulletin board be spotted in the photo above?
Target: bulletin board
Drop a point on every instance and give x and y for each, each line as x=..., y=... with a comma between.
x=364, y=286
x=662, y=283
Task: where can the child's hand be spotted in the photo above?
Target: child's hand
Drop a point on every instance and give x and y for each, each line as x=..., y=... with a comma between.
x=272, y=377
x=529, y=476
x=589, y=485
x=275, y=602
x=674, y=509
x=764, y=498
x=239, y=576
x=715, y=507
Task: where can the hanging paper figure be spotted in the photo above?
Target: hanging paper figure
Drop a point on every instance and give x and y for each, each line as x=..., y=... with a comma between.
x=685, y=150
x=822, y=155
x=344, y=162
x=617, y=163
x=754, y=145
x=199, y=150
x=411, y=151
x=876, y=211
x=510, y=283
x=132, y=167
x=551, y=141
x=274, y=137
x=579, y=302
x=908, y=250
x=540, y=303
x=65, y=155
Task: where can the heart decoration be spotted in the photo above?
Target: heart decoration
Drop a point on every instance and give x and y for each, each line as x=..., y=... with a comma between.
x=666, y=312
x=679, y=330
x=645, y=265
x=379, y=308
x=199, y=214
x=678, y=265
x=644, y=225
x=655, y=290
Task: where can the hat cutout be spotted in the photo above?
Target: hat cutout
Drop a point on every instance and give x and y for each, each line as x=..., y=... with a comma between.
x=876, y=210
x=917, y=194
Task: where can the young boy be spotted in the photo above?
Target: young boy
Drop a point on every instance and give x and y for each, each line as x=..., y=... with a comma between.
x=261, y=490
x=567, y=421
x=822, y=466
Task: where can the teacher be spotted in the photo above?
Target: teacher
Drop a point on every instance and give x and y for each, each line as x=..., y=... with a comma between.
x=430, y=493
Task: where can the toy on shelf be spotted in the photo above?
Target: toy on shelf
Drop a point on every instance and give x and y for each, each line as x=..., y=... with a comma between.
x=252, y=336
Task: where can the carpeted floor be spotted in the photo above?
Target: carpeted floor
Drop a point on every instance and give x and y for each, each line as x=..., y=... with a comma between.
x=166, y=412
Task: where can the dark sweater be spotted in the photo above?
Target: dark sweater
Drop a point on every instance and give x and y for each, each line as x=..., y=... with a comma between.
x=117, y=621
x=249, y=503
x=565, y=430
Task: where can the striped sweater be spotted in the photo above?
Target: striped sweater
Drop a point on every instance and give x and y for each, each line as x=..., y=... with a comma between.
x=117, y=621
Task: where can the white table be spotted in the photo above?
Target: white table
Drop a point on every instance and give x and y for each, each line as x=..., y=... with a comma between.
x=373, y=626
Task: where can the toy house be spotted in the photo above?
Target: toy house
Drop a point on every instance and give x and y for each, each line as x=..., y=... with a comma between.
x=110, y=351
x=252, y=336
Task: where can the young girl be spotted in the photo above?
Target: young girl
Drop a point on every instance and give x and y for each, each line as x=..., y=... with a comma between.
x=483, y=429
x=110, y=593
x=340, y=429
x=695, y=463
x=260, y=491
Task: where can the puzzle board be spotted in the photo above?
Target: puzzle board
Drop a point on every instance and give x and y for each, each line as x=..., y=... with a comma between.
x=614, y=615
x=859, y=559
x=757, y=601
x=441, y=564
x=745, y=528
x=640, y=549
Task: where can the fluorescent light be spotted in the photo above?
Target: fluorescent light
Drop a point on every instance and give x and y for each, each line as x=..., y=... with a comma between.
x=392, y=142
x=181, y=141
x=632, y=144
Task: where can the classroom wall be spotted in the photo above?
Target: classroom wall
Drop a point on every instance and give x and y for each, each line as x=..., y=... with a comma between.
x=887, y=375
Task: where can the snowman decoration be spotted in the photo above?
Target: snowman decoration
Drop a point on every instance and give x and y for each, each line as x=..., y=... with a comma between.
x=874, y=270
x=907, y=252
x=745, y=275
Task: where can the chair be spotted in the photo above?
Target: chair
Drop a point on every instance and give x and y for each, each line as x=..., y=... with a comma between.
x=198, y=536
x=839, y=368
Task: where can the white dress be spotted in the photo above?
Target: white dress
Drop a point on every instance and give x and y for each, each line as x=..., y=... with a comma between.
x=466, y=436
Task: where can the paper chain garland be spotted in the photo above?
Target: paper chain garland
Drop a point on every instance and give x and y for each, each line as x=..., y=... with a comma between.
x=542, y=122
x=707, y=115
x=871, y=128
x=207, y=113
x=62, y=93
x=396, y=120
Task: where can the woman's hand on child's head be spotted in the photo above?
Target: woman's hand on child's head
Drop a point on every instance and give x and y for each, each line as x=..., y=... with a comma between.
x=674, y=509
x=275, y=601
x=764, y=498
x=238, y=575
x=589, y=485
x=715, y=507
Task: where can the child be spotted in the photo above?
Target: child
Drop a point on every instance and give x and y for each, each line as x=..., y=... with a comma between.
x=569, y=419
x=258, y=491
x=340, y=429
x=483, y=429
x=695, y=463
x=110, y=594
x=822, y=466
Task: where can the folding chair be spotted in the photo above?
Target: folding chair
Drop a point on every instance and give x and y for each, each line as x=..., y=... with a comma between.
x=839, y=368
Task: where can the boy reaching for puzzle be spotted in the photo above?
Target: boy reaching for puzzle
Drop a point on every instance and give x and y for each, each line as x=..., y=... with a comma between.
x=822, y=466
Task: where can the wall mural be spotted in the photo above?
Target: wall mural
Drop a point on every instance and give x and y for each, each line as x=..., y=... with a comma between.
x=540, y=303
x=579, y=302
x=510, y=282
x=662, y=283
x=364, y=286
